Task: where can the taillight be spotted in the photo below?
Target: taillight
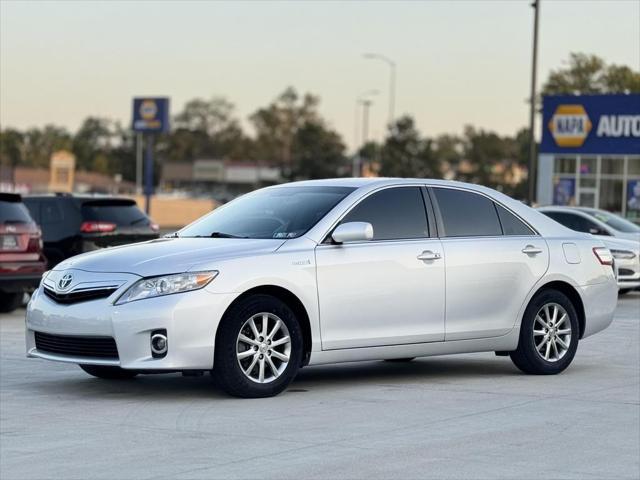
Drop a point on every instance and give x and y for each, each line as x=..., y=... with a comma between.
x=97, y=227
x=603, y=255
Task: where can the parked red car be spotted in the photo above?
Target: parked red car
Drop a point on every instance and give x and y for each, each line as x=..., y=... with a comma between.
x=21, y=260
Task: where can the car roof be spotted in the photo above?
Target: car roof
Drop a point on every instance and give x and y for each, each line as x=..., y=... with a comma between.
x=80, y=197
x=360, y=182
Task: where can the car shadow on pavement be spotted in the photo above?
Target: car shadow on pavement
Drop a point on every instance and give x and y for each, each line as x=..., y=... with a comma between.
x=175, y=387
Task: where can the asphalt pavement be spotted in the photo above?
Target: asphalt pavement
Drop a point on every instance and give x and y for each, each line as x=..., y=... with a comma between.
x=462, y=416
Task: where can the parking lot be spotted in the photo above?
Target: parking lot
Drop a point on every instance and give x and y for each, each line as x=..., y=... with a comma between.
x=465, y=416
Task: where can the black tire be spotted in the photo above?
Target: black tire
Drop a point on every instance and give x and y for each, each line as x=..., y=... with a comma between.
x=400, y=360
x=108, y=373
x=624, y=291
x=226, y=368
x=10, y=301
x=526, y=357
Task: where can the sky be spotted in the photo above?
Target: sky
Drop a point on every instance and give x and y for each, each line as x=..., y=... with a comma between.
x=458, y=62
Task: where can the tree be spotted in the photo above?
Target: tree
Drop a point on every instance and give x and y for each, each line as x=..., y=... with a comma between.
x=92, y=145
x=205, y=129
x=11, y=148
x=406, y=154
x=589, y=74
x=277, y=124
x=317, y=152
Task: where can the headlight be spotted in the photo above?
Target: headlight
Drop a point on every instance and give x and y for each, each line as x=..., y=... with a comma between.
x=166, y=285
x=623, y=254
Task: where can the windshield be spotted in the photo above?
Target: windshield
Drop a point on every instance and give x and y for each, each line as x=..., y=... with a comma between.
x=615, y=222
x=14, y=212
x=281, y=212
x=121, y=212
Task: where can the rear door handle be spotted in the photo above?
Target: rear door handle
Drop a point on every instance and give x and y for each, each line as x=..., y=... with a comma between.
x=429, y=255
x=531, y=250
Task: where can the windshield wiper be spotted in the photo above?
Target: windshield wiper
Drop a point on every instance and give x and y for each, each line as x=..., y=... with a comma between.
x=224, y=235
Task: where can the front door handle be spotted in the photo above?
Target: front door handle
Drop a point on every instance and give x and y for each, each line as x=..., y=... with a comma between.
x=429, y=255
x=531, y=250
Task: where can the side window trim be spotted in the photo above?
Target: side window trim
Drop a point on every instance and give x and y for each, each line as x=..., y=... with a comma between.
x=440, y=223
x=327, y=237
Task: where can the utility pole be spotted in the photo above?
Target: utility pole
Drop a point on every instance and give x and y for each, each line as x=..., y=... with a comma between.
x=139, y=163
x=531, y=176
x=356, y=165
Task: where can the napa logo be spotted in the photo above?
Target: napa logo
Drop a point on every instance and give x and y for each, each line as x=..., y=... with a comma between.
x=148, y=109
x=570, y=125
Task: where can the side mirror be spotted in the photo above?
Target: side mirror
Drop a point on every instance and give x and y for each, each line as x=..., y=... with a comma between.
x=352, y=232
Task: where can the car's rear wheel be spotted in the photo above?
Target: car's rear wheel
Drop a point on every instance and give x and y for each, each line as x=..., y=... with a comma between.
x=259, y=347
x=109, y=373
x=548, y=335
x=10, y=301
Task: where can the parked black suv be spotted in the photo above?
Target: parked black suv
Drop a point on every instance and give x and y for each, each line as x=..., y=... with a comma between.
x=74, y=224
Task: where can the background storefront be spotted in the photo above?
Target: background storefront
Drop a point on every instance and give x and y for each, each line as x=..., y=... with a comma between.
x=590, y=153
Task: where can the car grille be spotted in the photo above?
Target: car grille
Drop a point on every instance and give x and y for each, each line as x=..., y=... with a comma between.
x=625, y=272
x=77, y=346
x=79, y=295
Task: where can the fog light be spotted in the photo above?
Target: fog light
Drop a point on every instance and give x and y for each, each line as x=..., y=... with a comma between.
x=159, y=343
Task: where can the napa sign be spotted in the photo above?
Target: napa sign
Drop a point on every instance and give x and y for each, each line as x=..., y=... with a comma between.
x=591, y=124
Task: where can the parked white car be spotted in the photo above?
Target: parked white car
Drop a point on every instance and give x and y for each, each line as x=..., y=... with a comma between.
x=619, y=235
x=330, y=271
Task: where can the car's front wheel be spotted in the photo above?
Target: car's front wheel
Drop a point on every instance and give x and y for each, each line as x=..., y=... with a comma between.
x=548, y=335
x=259, y=347
x=109, y=373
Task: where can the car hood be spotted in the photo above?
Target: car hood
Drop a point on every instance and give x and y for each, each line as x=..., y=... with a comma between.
x=615, y=243
x=635, y=237
x=168, y=255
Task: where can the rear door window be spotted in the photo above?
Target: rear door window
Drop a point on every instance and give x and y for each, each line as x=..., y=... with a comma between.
x=466, y=214
x=395, y=214
x=123, y=213
x=512, y=225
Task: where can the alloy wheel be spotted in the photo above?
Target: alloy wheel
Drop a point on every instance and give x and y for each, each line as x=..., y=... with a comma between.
x=263, y=347
x=552, y=332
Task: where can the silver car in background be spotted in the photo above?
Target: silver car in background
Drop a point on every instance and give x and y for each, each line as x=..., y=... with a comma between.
x=330, y=271
x=620, y=236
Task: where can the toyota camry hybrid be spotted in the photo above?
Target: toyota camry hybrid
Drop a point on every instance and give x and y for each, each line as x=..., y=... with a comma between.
x=330, y=271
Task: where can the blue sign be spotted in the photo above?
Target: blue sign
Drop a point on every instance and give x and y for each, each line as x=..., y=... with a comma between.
x=150, y=115
x=591, y=124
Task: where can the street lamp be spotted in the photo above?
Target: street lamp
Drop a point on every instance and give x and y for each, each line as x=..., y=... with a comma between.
x=531, y=181
x=392, y=80
x=365, y=100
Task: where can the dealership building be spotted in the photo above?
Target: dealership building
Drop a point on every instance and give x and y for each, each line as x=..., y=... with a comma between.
x=590, y=153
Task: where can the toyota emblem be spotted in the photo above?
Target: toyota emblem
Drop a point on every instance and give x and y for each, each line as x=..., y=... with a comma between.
x=65, y=281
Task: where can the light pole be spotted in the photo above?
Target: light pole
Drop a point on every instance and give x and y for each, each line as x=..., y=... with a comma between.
x=366, y=102
x=392, y=81
x=531, y=176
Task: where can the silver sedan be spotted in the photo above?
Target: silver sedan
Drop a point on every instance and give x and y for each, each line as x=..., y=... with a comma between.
x=330, y=271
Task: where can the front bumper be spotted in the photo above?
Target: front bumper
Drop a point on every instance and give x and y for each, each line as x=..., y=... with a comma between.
x=628, y=273
x=190, y=319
